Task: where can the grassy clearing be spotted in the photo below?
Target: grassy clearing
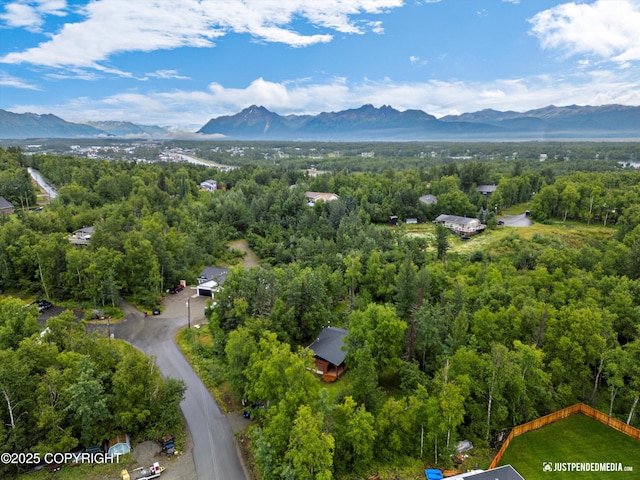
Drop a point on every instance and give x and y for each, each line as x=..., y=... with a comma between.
x=574, y=439
x=195, y=345
x=573, y=235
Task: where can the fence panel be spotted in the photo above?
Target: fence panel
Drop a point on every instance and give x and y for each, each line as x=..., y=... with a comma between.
x=560, y=414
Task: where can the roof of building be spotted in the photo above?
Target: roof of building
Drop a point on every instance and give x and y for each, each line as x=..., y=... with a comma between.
x=85, y=230
x=428, y=199
x=330, y=345
x=209, y=182
x=455, y=219
x=506, y=472
x=214, y=273
x=484, y=189
x=315, y=196
x=4, y=203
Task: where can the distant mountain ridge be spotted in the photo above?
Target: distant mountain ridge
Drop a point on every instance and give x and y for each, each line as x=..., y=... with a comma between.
x=366, y=123
x=32, y=125
x=369, y=123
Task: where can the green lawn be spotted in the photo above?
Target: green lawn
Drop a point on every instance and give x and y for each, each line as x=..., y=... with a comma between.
x=579, y=439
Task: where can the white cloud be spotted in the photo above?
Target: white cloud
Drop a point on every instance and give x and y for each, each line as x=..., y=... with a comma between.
x=9, y=81
x=607, y=29
x=29, y=14
x=114, y=26
x=192, y=109
x=166, y=74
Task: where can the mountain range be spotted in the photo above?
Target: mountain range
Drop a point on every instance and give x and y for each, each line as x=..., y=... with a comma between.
x=367, y=123
x=31, y=125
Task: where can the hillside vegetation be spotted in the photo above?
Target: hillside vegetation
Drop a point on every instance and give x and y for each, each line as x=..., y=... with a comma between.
x=447, y=339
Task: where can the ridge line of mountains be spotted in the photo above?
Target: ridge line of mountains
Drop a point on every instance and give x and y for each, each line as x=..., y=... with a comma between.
x=366, y=123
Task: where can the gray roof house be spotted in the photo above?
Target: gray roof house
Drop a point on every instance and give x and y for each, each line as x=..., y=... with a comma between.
x=486, y=189
x=329, y=352
x=460, y=225
x=6, y=207
x=506, y=472
x=428, y=199
x=82, y=236
x=210, y=280
x=209, y=185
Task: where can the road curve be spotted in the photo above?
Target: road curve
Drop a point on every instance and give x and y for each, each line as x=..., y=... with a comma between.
x=214, y=451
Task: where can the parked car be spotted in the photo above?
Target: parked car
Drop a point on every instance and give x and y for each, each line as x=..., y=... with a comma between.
x=43, y=305
x=156, y=311
x=247, y=412
x=176, y=289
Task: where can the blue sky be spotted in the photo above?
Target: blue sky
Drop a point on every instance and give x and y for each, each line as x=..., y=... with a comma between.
x=181, y=62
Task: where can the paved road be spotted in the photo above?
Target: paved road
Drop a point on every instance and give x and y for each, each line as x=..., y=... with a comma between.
x=214, y=452
x=52, y=192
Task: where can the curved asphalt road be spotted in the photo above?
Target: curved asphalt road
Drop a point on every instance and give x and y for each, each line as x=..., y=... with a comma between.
x=214, y=451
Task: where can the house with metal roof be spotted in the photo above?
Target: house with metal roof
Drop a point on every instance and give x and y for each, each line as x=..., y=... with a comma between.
x=506, y=472
x=313, y=197
x=82, y=236
x=428, y=199
x=209, y=185
x=486, y=190
x=6, y=207
x=460, y=225
x=210, y=280
x=329, y=353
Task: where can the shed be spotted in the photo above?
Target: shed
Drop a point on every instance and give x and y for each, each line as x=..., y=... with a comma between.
x=329, y=353
x=119, y=445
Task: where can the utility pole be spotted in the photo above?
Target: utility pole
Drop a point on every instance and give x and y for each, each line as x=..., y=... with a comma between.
x=189, y=312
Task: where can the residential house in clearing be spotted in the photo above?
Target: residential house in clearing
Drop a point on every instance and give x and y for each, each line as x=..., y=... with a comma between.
x=313, y=197
x=486, y=190
x=6, y=207
x=210, y=281
x=209, y=185
x=329, y=353
x=82, y=236
x=460, y=225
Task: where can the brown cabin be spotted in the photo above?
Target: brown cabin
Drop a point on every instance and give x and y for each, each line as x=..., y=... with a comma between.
x=329, y=353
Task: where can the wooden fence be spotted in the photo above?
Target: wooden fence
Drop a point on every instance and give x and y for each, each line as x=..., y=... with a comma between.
x=564, y=413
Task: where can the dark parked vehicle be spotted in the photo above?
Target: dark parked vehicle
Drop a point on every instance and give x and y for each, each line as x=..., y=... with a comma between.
x=176, y=289
x=43, y=305
x=247, y=412
x=156, y=311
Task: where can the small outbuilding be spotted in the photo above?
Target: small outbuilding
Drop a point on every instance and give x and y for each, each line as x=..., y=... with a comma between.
x=118, y=445
x=486, y=190
x=329, y=353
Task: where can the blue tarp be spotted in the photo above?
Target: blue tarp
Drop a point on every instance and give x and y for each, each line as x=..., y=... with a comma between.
x=433, y=474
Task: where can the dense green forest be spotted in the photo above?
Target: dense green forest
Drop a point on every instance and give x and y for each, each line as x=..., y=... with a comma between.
x=443, y=344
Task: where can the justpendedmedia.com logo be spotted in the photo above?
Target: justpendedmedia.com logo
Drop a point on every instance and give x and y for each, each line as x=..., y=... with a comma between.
x=585, y=467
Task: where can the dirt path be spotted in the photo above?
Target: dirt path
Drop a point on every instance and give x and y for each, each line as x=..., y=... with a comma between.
x=250, y=259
